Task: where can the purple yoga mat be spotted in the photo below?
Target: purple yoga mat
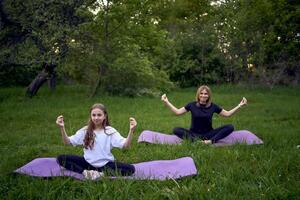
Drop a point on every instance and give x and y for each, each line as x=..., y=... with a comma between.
x=242, y=136
x=158, y=138
x=152, y=170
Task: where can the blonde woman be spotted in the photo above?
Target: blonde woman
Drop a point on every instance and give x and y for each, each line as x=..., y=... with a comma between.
x=202, y=111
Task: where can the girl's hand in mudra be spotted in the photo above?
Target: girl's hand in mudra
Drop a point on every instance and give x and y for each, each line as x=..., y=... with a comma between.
x=132, y=123
x=60, y=121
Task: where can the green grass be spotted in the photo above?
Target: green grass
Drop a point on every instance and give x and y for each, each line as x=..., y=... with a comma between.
x=268, y=171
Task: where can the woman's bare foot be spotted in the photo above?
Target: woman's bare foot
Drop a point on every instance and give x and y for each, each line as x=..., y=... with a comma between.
x=206, y=141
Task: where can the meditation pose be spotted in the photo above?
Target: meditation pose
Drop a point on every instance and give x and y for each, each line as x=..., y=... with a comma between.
x=97, y=138
x=202, y=111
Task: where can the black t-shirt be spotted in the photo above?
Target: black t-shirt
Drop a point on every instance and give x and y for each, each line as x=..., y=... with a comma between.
x=202, y=116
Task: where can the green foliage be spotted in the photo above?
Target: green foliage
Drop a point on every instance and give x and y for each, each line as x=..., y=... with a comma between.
x=34, y=32
x=198, y=60
x=193, y=41
x=81, y=64
x=133, y=74
x=125, y=57
x=262, y=37
x=17, y=75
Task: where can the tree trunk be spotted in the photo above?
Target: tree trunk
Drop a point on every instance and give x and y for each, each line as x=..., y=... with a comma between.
x=101, y=70
x=52, y=82
x=35, y=85
x=103, y=65
x=47, y=74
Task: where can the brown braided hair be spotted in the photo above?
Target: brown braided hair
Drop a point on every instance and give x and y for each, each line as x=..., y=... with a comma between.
x=89, y=138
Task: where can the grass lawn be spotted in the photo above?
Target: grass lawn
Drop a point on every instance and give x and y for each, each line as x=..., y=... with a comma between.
x=268, y=171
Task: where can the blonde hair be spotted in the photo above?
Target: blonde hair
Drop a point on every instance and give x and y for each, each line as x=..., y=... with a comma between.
x=89, y=138
x=200, y=89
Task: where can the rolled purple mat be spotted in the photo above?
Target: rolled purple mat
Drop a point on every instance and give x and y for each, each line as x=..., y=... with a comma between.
x=158, y=138
x=241, y=136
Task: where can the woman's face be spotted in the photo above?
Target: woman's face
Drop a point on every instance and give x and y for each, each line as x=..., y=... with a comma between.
x=97, y=116
x=203, y=96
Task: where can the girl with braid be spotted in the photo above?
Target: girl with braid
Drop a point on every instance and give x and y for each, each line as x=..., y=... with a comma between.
x=97, y=138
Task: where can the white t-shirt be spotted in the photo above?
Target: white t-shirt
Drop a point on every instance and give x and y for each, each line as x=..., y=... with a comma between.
x=100, y=154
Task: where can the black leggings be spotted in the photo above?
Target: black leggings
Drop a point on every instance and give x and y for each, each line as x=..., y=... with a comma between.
x=79, y=164
x=213, y=135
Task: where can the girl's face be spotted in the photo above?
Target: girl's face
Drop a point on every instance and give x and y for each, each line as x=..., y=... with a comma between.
x=203, y=96
x=97, y=116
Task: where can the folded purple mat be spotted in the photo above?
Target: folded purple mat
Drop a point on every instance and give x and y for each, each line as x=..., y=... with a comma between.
x=242, y=136
x=152, y=170
x=158, y=138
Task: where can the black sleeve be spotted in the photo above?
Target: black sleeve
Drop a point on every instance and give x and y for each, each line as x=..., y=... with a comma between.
x=188, y=107
x=217, y=109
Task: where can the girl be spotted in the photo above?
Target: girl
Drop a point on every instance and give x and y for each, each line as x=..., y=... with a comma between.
x=98, y=138
x=202, y=111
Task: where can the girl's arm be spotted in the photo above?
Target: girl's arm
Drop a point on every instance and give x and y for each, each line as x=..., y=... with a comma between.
x=61, y=124
x=225, y=113
x=132, y=126
x=175, y=110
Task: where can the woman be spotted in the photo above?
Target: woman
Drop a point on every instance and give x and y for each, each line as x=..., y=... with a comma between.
x=202, y=111
x=98, y=138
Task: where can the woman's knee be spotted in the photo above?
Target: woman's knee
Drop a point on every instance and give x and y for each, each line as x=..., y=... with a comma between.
x=177, y=130
x=180, y=132
x=230, y=128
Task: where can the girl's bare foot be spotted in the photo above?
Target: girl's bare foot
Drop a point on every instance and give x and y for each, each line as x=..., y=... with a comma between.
x=92, y=174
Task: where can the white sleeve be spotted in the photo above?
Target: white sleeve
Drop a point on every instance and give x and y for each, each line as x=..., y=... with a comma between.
x=78, y=138
x=117, y=140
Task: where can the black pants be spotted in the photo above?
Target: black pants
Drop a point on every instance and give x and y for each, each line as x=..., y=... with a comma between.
x=79, y=164
x=213, y=135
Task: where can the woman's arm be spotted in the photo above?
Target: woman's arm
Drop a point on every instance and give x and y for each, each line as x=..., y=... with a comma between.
x=175, y=110
x=132, y=126
x=61, y=124
x=225, y=113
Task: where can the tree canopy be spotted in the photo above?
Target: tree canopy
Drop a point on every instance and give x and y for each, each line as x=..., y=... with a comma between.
x=136, y=47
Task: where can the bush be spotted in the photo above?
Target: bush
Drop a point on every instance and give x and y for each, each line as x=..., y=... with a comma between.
x=133, y=74
x=16, y=75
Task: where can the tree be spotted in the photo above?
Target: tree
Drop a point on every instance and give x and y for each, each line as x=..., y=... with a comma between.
x=38, y=33
x=261, y=37
x=122, y=38
x=197, y=58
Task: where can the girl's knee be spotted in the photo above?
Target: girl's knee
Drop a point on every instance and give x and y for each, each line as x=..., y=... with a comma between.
x=61, y=159
x=131, y=169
